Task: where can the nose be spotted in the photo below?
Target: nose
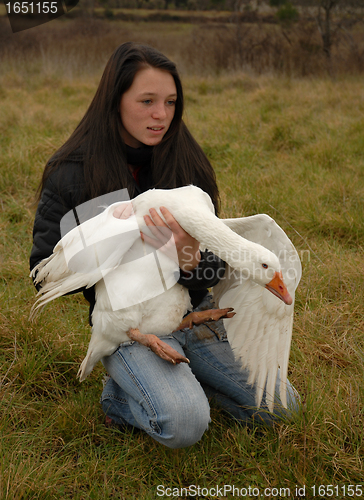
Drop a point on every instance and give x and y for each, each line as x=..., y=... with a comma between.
x=159, y=111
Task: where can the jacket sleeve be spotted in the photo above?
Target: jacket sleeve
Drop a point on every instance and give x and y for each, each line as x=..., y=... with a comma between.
x=58, y=197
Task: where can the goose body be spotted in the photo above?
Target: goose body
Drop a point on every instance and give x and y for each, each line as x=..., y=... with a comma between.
x=136, y=285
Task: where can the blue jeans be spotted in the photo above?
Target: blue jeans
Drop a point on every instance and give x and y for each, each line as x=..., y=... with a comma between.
x=170, y=402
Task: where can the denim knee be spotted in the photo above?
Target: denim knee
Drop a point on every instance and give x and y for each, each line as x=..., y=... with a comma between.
x=182, y=425
x=177, y=420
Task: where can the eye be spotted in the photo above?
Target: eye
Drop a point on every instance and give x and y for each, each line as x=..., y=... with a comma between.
x=265, y=266
x=171, y=103
x=147, y=101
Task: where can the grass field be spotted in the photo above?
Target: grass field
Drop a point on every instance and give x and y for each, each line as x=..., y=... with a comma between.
x=292, y=148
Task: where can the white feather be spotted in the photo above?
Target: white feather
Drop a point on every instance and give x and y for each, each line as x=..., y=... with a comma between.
x=107, y=252
x=260, y=333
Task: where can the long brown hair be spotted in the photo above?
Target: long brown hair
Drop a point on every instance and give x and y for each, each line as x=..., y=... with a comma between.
x=177, y=161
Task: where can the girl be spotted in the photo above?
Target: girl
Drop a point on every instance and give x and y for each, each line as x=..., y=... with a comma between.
x=133, y=136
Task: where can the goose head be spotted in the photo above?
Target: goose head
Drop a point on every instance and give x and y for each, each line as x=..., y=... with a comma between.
x=263, y=268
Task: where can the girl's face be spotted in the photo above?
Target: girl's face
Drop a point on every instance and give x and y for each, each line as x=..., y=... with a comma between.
x=147, y=107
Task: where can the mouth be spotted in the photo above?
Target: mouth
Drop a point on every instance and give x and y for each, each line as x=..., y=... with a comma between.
x=155, y=129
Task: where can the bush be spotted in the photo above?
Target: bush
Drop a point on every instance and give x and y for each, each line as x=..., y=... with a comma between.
x=287, y=13
x=277, y=3
x=108, y=13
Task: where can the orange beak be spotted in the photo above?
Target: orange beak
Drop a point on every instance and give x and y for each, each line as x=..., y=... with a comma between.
x=279, y=289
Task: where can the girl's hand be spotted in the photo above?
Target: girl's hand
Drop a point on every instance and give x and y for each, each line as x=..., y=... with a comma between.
x=123, y=211
x=170, y=233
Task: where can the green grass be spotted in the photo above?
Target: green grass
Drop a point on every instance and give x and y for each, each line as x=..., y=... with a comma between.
x=291, y=148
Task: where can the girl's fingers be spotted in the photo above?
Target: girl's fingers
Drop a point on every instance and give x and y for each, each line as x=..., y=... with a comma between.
x=170, y=220
x=185, y=247
x=157, y=226
x=168, y=248
x=162, y=234
x=156, y=218
x=123, y=211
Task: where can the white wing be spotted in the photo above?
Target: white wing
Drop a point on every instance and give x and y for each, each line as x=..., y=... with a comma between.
x=260, y=333
x=85, y=255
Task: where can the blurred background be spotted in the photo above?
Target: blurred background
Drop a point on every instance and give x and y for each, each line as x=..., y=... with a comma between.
x=287, y=37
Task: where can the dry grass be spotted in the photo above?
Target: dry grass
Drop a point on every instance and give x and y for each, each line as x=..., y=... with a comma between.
x=292, y=148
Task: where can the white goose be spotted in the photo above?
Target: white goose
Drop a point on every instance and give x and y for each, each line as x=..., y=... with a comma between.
x=137, y=295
